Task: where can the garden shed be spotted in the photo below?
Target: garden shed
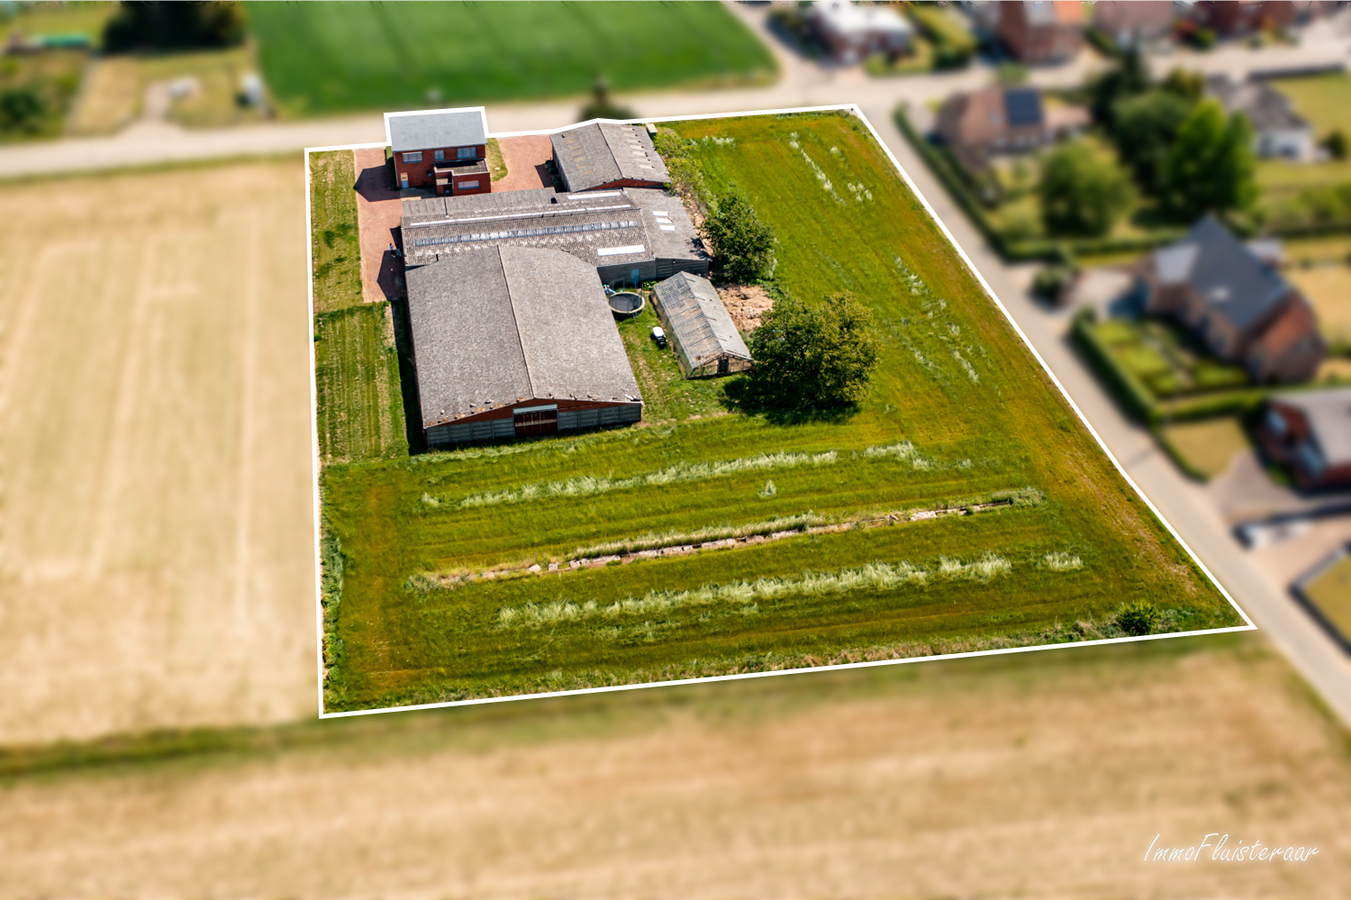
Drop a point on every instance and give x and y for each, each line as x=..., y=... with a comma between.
x=706, y=341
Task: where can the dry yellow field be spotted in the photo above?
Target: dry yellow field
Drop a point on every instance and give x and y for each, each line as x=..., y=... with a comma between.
x=1040, y=775
x=155, y=528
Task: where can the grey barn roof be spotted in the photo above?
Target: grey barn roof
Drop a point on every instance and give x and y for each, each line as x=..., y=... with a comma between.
x=600, y=228
x=436, y=128
x=601, y=153
x=1223, y=270
x=698, y=319
x=502, y=325
x=1266, y=108
x=1329, y=415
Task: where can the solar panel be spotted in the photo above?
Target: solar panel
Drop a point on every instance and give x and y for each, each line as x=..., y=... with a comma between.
x=521, y=233
x=1023, y=107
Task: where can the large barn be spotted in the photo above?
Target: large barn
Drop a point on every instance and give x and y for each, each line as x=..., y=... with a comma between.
x=706, y=340
x=629, y=235
x=513, y=342
x=605, y=155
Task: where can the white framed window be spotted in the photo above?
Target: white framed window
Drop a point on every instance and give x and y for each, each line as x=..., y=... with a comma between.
x=414, y=157
x=467, y=153
x=439, y=155
x=467, y=185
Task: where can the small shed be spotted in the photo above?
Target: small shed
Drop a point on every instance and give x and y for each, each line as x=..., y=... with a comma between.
x=706, y=341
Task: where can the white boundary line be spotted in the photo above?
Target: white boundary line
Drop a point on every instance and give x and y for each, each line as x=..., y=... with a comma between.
x=856, y=111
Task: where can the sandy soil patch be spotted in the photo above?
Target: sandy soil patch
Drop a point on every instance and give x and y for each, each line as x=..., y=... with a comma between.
x=156, y=528
x=966, y=779
x=745, y=303
x=525, y=157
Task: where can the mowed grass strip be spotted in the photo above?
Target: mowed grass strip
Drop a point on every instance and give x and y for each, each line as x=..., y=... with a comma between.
x=360, y=408
x=334, y=241
x=322, y=58
x=954, y=380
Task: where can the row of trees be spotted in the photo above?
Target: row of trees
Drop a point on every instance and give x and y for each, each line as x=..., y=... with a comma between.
x=1171, y=144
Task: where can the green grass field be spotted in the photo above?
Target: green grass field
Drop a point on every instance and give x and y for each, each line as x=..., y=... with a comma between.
x=322, y=58
x=959, y=412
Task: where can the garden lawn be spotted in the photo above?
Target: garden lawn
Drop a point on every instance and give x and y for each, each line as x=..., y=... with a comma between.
x=1210, y=445
x=321, y=58
x=959, y=412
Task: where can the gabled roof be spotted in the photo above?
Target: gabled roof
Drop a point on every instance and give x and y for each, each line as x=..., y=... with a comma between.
x=602, y=153
x=699, y=321
x=1329, y=416
x=498, y=326
x=1053, y=12
x=1223, y=271
x=1123, y=20
x=1266, y=108
x=431, y=129
x=846, y=18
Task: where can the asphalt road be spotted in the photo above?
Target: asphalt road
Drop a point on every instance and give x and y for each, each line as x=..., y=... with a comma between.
x=1181, y=502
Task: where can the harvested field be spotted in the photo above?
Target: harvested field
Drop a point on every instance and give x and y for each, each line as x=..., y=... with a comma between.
x=156, y=565
x=1043, y=775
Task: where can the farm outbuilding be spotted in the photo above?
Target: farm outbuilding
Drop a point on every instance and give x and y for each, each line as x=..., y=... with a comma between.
x=606, y=155
x=706, y=341
x=513, y=342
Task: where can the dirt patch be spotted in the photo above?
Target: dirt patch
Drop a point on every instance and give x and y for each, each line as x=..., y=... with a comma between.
x=746, y=304
x=379, y=210
x=525, y=158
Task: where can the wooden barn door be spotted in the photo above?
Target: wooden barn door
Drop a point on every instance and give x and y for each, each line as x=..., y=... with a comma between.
x=536, y=421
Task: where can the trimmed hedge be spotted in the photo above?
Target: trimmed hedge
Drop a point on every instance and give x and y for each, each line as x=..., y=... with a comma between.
x=1133, y=394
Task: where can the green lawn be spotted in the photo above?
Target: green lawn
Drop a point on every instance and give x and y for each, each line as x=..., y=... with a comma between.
x=334, y=242
x=1322, y=99
x=959, y=412
x=1330, y=594
x=328, y=57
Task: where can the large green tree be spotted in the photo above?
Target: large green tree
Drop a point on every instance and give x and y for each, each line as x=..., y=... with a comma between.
x=1082, y=193
x=743, y=245
x=1211, y=166
x=1128, y=78
x=813, y=356
x=1145, y=127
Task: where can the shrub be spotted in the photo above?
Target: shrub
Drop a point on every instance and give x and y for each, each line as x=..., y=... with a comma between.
x=743, y=244
x=1052, y=280
x=1082, y=193
x=1336, y=144
x=1138, y=618
x=174, y=26
x=22, y=110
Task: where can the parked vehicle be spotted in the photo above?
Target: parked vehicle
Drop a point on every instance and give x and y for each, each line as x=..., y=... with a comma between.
x=660, y=337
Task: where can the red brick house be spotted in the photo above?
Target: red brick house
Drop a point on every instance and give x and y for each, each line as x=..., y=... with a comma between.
x=1310, y=433
x=1235, y=301
x=1005, y=120
x=1041, y=31
x=441, y=150
x=1232, y=17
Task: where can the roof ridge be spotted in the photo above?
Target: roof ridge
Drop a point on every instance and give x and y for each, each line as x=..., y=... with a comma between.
x=516, y=320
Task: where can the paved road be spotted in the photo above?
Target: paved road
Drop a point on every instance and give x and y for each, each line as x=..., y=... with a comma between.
x=1183, y=504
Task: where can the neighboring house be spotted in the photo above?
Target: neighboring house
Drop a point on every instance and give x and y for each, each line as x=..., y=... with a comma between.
x=512, y=342
x=1142, y=22
x=851, y=32
x=440, y=150
x=1278, y=129
x=605, y=155
x=1235, y=302
x=1042, y=31
x=995, y=120
x=1235, y=17
x=627, y=236
x=692, y=314
x=1310, y=432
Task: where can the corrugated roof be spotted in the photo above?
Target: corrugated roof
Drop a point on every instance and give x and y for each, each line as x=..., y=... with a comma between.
x=699, y=321
x=590, y=156
x=1329, y=417
x=501, y=325
x=431, y=129
x=1222, y=270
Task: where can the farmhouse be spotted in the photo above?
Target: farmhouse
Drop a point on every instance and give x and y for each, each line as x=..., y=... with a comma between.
x=996, y=120
x=513, y=342
x=706, y=340
x=1311, y=433
x=442, y=150
x=628, y=236
x=606, y=155
x=1279, y=130
x=1235, y=301
x=851, y=31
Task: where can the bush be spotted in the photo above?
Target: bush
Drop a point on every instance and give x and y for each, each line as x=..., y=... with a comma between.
x=1052, y=280
x=744, y=246
x=22, y=110
x=1336, y=144
x=1138, y=618
x=174, y=26
x=813, y=357
x=1081, y=193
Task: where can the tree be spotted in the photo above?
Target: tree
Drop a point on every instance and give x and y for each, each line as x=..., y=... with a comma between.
x=1211, y=166
x=744, y=246
x=813, y=357
x=1129, y=77
x=173, y=25
x=1188, y=85
x=1145, y=128
x=1336, y=144
x=1081, y=192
